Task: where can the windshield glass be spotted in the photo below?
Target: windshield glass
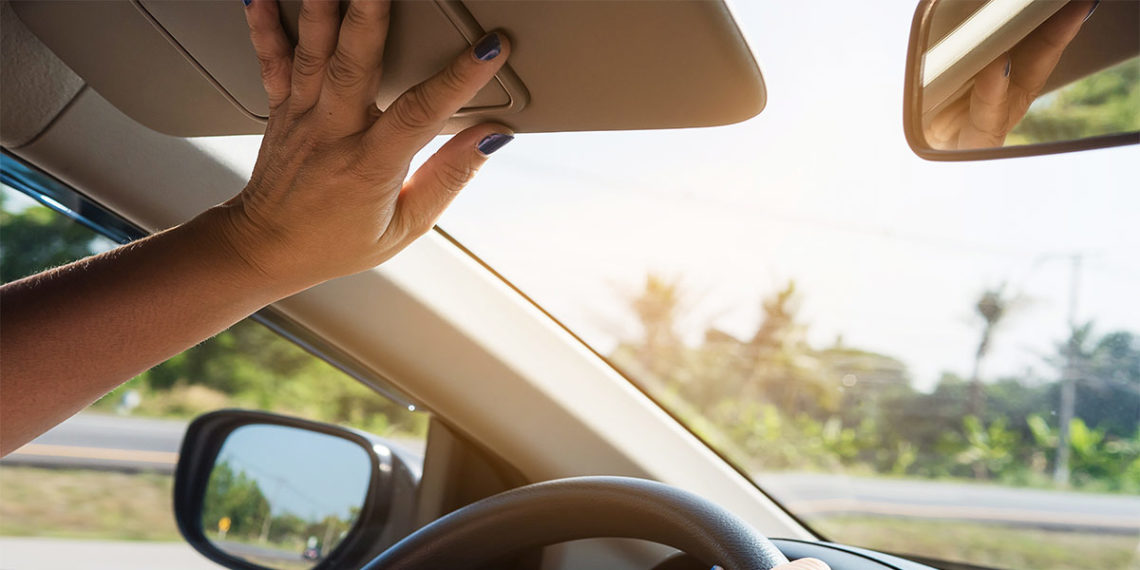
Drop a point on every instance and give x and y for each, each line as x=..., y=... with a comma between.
x=888, y=346
x=937, y=359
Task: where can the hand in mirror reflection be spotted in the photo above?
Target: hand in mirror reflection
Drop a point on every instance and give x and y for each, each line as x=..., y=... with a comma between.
x=1003, y=90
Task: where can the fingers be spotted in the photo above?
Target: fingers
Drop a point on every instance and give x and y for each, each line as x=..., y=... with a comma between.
x=429, y=191
x=987, y=123
x=942, y=132
x=353, y=76
x=272, y=47
x=419, y=114
x=1035, y=57
x=804, y=564
x=317, y=33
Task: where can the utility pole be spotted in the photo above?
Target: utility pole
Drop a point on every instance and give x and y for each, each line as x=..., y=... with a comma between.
x=1069, y=377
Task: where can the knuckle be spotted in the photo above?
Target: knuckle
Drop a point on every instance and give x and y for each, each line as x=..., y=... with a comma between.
x=358, y=16
x=412, y=112
x=345, y=73
x=311, y=13
x=453, y=177
x=452, y=79
x=307, y=62
x=270, y=66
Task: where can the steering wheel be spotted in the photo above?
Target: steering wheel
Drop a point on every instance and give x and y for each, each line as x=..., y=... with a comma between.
x=582, y=507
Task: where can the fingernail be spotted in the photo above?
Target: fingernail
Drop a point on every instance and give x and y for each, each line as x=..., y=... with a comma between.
x=493, y=142
x=247, y=2
x=488, y=48
x=1008, y=63
x=1091, y=10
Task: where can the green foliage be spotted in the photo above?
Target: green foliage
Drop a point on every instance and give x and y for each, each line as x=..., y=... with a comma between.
x=1104, y=103
x=37, y=238
x=246, y=365
x=773, y=402
x=989, y=449
x=236, y=496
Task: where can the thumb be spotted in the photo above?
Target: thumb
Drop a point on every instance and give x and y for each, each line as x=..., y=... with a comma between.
x=804, y=564
x=429, y=191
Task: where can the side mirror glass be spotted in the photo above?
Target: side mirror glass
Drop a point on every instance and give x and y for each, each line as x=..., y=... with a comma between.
x=254, y=490
x=283, y=497
x=1003, y=78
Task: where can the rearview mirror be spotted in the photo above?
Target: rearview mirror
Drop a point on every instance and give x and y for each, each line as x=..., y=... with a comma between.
x=1004, y=78
x=256, y=490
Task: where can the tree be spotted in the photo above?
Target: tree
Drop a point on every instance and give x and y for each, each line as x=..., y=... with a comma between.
x=657, y=309
x=37, y=238
x=1100, y=104
x=234, y=495
x=992, y=306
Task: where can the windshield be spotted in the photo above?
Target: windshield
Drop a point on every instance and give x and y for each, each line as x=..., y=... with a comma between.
x=937, y=359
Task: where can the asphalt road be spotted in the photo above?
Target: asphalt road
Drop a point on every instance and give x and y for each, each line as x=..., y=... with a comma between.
x=123, y=443
x=98, y=441
x=812, y=495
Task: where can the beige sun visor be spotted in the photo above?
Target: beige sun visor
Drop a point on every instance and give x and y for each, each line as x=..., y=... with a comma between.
x=186, y=67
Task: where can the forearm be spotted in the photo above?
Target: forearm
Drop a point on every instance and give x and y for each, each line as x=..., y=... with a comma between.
x=329, y=196
x=74, y=333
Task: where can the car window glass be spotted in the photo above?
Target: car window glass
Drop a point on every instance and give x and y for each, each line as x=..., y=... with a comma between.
x=100, y=484
x=934, y=359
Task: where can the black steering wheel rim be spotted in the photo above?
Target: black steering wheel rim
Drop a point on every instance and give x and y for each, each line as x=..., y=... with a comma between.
x=582, y=507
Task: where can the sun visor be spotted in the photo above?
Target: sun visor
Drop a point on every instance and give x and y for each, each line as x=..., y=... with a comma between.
x=186, y=67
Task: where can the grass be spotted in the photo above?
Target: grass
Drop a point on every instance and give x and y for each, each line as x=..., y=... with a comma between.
x=121, y=506
x=986, y=544
x=86, y=504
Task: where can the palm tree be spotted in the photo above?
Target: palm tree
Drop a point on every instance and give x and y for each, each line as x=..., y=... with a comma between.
x=993, y=305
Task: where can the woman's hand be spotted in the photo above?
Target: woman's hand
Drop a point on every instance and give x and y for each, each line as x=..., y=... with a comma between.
x=330, y=195
x=804, y=564
x=1004, y=89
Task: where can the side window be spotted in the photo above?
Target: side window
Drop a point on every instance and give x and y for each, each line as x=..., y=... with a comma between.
x=100, y=483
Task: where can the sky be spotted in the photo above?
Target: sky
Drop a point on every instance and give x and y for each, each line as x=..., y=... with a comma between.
x=309, y=474
x=888, y=251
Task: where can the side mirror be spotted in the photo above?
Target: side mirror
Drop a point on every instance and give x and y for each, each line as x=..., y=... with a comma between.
x=1003, y=78
x=260, y=491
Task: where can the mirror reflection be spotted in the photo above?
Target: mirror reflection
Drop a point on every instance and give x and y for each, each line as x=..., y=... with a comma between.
x=284, y=497
x=1017, y=72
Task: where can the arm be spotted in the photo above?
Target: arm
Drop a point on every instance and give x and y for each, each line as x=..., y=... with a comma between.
x=329, y=196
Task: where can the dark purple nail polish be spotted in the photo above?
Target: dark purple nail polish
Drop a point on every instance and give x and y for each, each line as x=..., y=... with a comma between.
x=1091, y=10
x=1008, y=63
x=247, y=2
x=488, y=48
x=493, y=142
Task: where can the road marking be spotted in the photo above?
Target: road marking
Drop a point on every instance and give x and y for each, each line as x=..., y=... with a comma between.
x=105, y=453
x=996, y=514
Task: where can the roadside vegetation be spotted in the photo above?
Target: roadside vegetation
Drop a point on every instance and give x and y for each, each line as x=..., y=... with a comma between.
x=97, y=505
x=773, y=402
x=1101, y=104
x=246, y=365
x=994, y=545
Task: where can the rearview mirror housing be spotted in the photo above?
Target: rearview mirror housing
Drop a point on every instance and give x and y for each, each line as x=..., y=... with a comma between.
x=966, y=55
x=257, y=491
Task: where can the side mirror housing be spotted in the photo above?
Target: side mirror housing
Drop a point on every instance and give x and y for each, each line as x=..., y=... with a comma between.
x=254, y=490
x=992, y=79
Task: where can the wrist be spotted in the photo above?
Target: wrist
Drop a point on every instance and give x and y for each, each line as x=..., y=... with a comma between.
x=245, y=254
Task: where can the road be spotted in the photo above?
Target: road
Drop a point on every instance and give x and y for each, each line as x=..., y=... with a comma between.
x=99, y=441
x=813, y=495
x=123, y=443
x=59, y=554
